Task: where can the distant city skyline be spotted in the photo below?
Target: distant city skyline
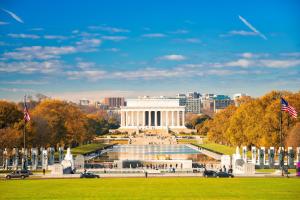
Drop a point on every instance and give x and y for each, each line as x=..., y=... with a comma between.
x=74, y=50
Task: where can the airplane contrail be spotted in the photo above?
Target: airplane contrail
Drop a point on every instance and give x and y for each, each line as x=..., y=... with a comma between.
x=13, y=15
x=252, y=28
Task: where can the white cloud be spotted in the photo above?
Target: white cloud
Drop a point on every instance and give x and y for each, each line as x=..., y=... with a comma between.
x=89, y=42
x=291, y=54
x=252, y=27
x=247, y=55
x=279, y=63
x=180, y=31
x=109, y=29
x=88, y=45
x=154, y=35
x=55, y=37
x=114, y=38
x=3, y=23
x=36, y=29
x=38, y=52
x=3, y=43
x=269, y=63
x=51, y=52
x=29, y=67
x=24, y=82
x=85, y=65
x=173, y=57
x=23, y=36
x=113, y=49
x=89, y=74
x=183, y=71
x=75, y=31
x=239, y=32
x=193, y=40
x=239, y=63
x=13, y=15
x=16, y=90
x=189, y=40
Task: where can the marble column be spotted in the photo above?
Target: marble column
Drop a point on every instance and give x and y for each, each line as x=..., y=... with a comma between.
x=271, y=157
x=290, y=157
x=253, y=151
x=183, y=118
x=24, y=158
x=138, y=118
x=34, y=158
x=178, y=117
x=131, y=119
x=167, y=118
x=262, y=157
x=172, y=118
x=127, y=118
x=51, y=155
x=144, y=116
x=44, y=159
x=161, y=118
x=149, y=118
x=15, y=158
x=5, y=159
x=60, y=154
x=298, y=154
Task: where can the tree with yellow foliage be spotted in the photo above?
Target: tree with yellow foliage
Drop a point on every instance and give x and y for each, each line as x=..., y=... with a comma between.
x=254, y=122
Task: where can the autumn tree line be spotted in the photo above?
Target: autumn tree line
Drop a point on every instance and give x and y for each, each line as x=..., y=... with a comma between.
x=255, y=122
x=53, y=123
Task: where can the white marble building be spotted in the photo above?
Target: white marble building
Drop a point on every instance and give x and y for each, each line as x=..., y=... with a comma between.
x=147, y=113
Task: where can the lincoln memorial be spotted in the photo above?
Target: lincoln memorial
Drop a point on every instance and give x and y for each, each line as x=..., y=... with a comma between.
x=148, y=113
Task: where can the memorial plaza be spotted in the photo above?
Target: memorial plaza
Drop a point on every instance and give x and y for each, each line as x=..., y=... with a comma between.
x=153, y=113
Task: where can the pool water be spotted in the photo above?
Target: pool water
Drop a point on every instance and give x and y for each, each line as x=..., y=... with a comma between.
x=153, y=152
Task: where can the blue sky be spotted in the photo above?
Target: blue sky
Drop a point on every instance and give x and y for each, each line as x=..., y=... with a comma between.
x=92, y=49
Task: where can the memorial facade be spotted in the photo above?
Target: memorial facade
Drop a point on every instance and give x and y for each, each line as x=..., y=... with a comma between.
x=152, y=113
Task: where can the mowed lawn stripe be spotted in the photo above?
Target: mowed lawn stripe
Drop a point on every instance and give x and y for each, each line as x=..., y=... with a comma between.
x=152, y=188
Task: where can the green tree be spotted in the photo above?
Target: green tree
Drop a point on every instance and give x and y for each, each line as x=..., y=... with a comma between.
x=9, y=114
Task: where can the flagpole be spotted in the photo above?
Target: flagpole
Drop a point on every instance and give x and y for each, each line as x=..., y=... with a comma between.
x=281, y=162
x=24, y=131
x=24, y=135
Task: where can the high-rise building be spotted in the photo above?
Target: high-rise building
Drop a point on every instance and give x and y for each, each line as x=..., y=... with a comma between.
x=114, y=102
x=182, y=99
x=207, y=96
x=193, y=105
x=101, y=105
x=194, y=95
x=215, y=103
x=237, y=97
x=192, y=102
x=207, y=105
x=221, y=102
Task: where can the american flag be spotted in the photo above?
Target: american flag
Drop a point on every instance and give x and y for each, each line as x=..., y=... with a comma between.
x=26, y=113
x=287, y=108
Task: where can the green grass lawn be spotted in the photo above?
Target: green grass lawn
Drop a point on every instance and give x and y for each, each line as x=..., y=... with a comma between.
x=152, y=188
x=187, y=141
x=223, y=149
x=87, y=148
x=292, y=171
